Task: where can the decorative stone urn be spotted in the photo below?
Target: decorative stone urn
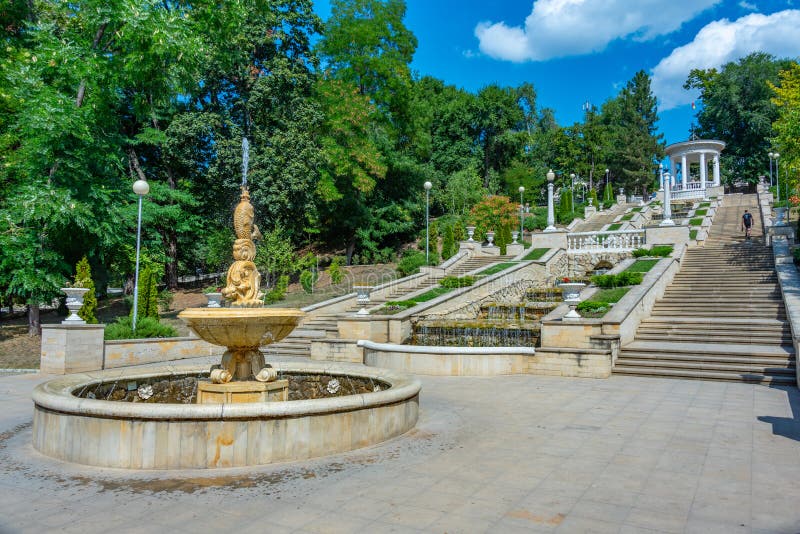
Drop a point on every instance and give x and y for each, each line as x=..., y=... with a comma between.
x=470, y=233
x=514, y=235
x=214, y=300
x=490, y=238
x=362, y=298
x=74, y=303
x=780, y=216
x=571, y=292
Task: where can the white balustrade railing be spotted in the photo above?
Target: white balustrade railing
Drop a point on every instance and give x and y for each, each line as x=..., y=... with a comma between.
x=690, y=186
x=616, y=241
x=687, y=194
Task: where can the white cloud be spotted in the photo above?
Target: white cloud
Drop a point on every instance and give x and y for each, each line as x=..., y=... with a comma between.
x=558, y=28
x=748, y=6
x=721, y=42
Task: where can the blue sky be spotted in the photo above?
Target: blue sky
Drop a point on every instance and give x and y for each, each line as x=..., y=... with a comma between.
x=577, y=51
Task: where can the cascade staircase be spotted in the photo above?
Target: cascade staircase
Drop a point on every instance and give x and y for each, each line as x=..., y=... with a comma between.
x=723, y=317
x=601, y=219
x=298, y=343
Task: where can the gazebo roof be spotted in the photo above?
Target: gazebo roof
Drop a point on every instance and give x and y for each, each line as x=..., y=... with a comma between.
x=692, y=149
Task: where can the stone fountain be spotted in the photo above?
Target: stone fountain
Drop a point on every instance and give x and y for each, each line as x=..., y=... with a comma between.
x=239, y=414
x=244, y=326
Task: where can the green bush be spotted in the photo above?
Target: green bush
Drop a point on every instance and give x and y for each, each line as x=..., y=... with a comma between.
x=625, y=278
x=592, y=306
x=212, y=289
x=659, y=251
x=335, y=270
x=410, y=263
x=449, y=247
x=278, y=292
x=146, y=327
x=401, y=304
x=83, y=278
x=453, y=282
x=307, y=280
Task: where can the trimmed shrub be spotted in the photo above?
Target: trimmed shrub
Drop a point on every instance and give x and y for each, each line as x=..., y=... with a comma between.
x=278, y=292
x=410, y=263
x=147, y=306
x=449, y=248
x=608, y=194
x=83, y=278
x=658, y=251
x=625, y=278
x=335, y=270
x=591, y=306
x=146, y=327
x=307, y=280
x=453, y=282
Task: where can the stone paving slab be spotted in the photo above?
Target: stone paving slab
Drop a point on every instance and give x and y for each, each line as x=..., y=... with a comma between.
x=501, y=454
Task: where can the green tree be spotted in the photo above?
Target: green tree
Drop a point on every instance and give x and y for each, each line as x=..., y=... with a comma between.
x=448, y=243
x=737, y=108
x=147, y=303
x=83, y=278
x=787, y=124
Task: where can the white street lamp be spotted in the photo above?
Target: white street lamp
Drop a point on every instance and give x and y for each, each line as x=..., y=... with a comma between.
x=771, y=155
x=141, y=188
x=572, y=191
x=661, y=176
x=551, y=219
x=667, y=205
x=427, y=187
x=777, y=174
x=521, y=213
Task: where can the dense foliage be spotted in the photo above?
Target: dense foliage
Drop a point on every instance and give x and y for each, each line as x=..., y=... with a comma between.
x=96, y=94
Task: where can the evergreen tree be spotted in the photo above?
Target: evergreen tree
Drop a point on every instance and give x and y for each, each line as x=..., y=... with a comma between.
x=147, y=305
x=448, y=243
x=83, y=278
x=608, y=194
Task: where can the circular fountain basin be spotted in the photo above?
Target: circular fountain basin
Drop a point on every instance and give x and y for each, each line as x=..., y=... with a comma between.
x=138, y=435
x=241, y=327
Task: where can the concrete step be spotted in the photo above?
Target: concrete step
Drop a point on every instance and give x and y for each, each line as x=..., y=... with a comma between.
x=705, y=375
x=705, y=337
x=719, y=350
x=745, y=367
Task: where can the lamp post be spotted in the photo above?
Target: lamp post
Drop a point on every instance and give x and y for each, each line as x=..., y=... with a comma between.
x=771, y=155
x=777, y=174
x=667, y=205
x=551, y=219
x=572, y=191
x=521, y=213
x=427, y=187
x=141, y=188
x=661, y=176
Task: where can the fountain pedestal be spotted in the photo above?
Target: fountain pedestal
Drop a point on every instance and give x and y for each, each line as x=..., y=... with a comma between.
x=248, y=391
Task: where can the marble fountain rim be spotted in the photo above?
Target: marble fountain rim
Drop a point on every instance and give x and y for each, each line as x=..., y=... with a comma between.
x=57, y=395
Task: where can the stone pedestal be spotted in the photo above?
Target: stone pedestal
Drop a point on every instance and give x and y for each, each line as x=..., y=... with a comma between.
x=491, y=250
x=556, y=239
x=621, y=199
x=588, y=212
x=71, y=348
x=514, y=250
x=238, y=392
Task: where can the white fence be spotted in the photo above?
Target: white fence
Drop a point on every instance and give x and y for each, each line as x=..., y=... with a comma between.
x=616, y=241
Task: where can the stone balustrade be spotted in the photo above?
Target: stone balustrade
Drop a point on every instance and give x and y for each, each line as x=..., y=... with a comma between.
x=614, y=241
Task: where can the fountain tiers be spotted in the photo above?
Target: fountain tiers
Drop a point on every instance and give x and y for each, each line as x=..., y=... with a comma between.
x=136, y=435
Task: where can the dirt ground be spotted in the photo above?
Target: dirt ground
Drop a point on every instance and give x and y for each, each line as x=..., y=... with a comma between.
x=18, y=350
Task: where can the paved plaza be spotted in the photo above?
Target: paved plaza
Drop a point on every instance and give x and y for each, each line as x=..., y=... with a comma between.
x=504, y=454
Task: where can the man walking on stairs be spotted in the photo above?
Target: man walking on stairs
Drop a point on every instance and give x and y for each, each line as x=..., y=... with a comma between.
x=747, y=222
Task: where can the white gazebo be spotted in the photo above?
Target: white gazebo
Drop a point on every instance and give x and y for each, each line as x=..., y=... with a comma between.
x=683, y=155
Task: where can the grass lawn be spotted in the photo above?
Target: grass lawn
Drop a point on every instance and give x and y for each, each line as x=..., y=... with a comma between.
x=608, y=296
x=535, y=254
x=636, y=209
x=692, y=234
x=627, y=217
x=642, y=266
x=499, y=267
x=615, y=226
x=705, y=205
x=696, y=222
x=700, y=212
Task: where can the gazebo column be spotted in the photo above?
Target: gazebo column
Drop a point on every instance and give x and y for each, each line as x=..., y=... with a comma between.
x=684, y=171
x=703, y=171
x=716, y=170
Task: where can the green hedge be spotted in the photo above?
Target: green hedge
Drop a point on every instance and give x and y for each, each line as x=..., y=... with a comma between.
x=146, y=327
x=625, y=278
x=660, y=251
x=453, y=282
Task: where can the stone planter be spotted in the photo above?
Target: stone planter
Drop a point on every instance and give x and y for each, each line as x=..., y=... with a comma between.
x=490, y=238
x=214, y=300
x=571, y=292
x=470, y=232
x=362, y=298
x=74, y=303
x=514, y=235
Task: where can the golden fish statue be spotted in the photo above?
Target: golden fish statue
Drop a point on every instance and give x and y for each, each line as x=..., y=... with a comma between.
x=244, y=280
